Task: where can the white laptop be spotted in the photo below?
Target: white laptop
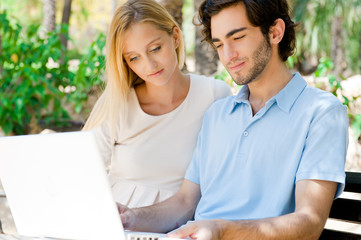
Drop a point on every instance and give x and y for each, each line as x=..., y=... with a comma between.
x=56, y=186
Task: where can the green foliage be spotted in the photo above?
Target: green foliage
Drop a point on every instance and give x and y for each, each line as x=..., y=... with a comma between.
x=227, y=78
x=315, y=35
x=324, y=68
x=88, y=75
x=356, y=124
x=291, y=61
x=28, y=12
x=34, y=72
x=28, y=85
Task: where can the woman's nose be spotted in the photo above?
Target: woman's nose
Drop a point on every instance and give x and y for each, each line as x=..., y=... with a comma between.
x=151, y=63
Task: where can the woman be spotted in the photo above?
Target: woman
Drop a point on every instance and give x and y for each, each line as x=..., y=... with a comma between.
x=147, y=120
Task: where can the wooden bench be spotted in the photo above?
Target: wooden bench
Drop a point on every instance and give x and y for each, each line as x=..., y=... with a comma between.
x=344, y=222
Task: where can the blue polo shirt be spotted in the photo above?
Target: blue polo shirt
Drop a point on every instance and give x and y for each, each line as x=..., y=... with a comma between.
x=247, y=166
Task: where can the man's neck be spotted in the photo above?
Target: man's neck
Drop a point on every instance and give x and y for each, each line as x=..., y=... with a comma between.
x=272, y=80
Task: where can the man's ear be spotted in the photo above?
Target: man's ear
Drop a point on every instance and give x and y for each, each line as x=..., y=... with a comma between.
x=277, y=31
x=176, y=36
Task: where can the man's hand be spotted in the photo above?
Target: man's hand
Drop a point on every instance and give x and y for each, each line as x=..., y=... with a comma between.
x=164, y=216
x=200, y=230
x=313, y=202
x=127, y=216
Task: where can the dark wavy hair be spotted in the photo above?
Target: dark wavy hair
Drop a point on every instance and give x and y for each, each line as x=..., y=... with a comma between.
x=260, y=13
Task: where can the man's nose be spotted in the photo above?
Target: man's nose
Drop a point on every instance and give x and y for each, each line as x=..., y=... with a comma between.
x=230, y=53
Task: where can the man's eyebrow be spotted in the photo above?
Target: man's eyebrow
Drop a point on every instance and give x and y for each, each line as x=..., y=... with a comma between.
x=230, y=34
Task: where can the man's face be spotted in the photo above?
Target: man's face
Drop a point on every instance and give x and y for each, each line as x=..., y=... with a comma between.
x=241, y=47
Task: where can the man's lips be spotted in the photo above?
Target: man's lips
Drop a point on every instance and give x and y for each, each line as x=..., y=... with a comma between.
x=237, y=66
x=156, y=73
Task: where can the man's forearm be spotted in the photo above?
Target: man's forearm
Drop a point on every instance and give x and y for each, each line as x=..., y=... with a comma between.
x=162, y=217
x=169, y=214
x=313, y=203
x=290, y=226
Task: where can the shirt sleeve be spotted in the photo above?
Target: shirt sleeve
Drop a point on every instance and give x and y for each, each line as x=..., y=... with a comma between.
x=104, y=142
x=193, y=171
x=325, y=148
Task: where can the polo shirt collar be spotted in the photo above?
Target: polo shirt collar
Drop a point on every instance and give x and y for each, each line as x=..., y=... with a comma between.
x=284, y=99
x=288, y=95
x=241, y=97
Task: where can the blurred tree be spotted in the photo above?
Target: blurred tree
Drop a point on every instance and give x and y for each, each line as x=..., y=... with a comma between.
x=65, y=21
x=329, y=29
x=174, y=7
x=205, y=56
x=337, y=52
x=114, y=6
x=49, y=15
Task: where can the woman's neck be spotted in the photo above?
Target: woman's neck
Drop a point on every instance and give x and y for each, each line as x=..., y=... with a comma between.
x=158, y=100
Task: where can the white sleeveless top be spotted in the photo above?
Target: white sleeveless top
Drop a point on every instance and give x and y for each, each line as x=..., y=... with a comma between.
x=149, y=159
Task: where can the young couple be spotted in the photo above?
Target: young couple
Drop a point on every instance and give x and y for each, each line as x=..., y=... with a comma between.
x=266, y=164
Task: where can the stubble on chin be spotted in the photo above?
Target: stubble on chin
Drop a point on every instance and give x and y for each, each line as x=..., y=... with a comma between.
x=260, y=59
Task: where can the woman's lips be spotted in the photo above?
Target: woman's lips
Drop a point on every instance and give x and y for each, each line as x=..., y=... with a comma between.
x=156, y=73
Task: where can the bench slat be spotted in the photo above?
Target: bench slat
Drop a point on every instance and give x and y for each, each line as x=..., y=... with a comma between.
x=329, y=234
x=344, y=222
x=346, y=209
x=341, y=230
x=353, y=182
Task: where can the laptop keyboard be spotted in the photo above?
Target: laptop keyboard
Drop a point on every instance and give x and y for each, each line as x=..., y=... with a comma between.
x=142, y=238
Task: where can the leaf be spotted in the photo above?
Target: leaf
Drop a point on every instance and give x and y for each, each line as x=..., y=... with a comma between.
x=78, y=107
x=290, y=62
x=356, y=125
x=19, y=104
x=7, y=127
x=332, y=80
x=346, y=101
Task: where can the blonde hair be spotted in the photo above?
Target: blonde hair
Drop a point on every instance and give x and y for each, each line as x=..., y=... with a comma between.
x=112, y=104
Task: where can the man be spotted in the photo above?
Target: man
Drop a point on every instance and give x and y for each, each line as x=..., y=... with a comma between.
x=269, y=161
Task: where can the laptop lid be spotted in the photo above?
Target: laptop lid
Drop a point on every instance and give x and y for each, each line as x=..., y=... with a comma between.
x=56, y=186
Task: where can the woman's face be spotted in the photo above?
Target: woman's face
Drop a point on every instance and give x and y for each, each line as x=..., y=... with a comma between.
x=151, y=52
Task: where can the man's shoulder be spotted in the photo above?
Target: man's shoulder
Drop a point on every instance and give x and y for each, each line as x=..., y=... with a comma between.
x=314, y=103
x=307, y=96
x=319, y=99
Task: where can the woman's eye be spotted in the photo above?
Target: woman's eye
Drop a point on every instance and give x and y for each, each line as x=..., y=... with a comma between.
x=218, y=46
x=155, y=49
x=133, y=59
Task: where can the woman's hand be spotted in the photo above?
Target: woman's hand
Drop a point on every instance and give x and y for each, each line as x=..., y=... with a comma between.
x=127, y=216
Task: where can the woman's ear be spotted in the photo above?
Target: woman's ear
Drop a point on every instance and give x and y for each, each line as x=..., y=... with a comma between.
x=176, y=36
x=277, y=31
